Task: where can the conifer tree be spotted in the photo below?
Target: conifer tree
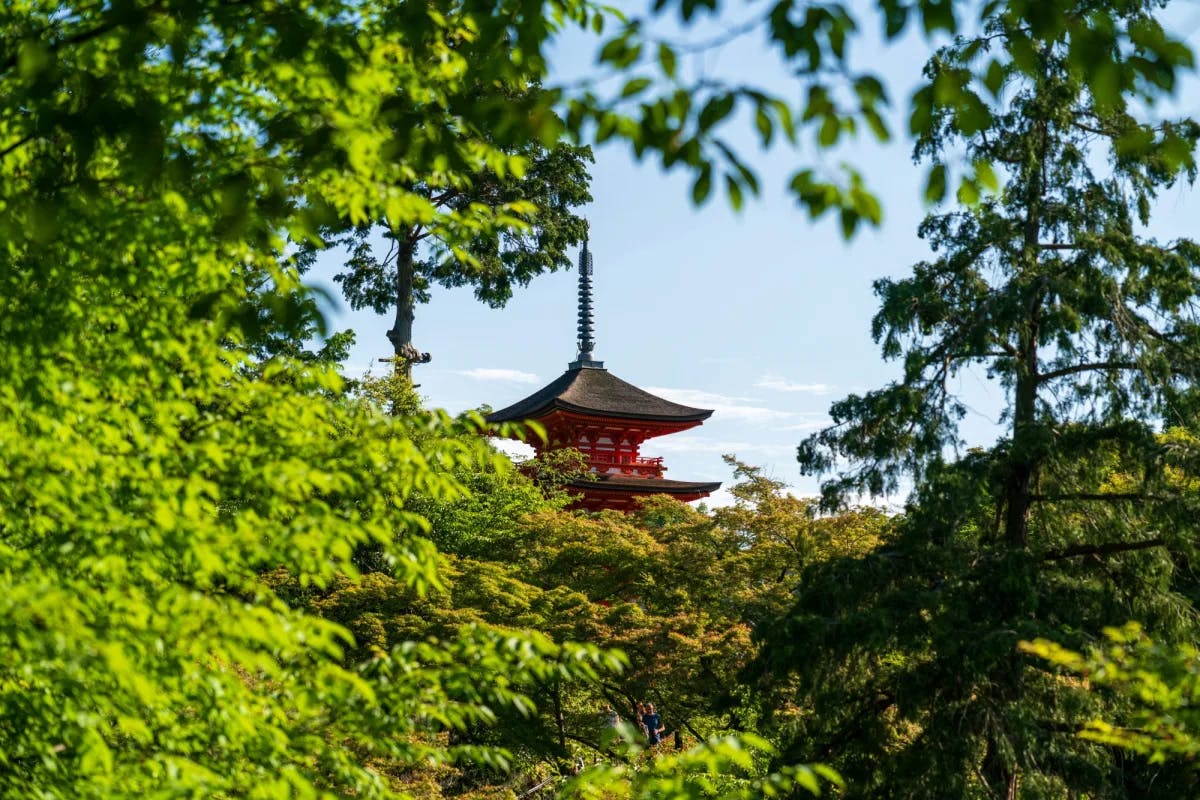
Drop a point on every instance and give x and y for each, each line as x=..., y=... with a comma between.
x=1076, y=517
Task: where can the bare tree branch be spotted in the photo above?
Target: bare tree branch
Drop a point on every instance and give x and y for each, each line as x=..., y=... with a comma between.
x=1112, y=497
x=1109, y=549
x=1095, y=366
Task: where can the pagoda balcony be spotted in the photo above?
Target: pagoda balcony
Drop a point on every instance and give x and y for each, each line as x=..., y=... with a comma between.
x=627, y=464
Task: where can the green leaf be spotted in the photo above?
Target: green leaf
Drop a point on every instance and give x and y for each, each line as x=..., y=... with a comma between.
x=734, y=190
x=986, y=176
x=667, y=60
x=895, y=17
x=635, y=86
x=702, y=186
x=971, y=114
x=921, y=119
x=994, y=78
x=849, y=219
x=33, y=58
x=765, y=129
x=937, y=15
x=878, y=126
x=715, y=110
x=935, y=184
x=830, y=130
x=968, y=192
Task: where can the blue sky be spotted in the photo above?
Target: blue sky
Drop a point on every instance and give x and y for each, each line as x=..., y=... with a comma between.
x=763, y=315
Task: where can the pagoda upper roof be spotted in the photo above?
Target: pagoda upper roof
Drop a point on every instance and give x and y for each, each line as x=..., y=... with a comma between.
x=596, y=391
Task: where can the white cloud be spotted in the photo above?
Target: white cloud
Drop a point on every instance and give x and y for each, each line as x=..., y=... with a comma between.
x=356, y=369
x=725, y=407
x=719, y=499
x=682, y=443
x=810, y=421
x=516, y=450
x=779, y=384
x=495, y=374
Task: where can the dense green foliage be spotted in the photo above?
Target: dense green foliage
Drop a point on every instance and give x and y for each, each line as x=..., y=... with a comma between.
x=214, y=572
x=1162, y=682
x=1079, y=517
x=154, y=157
x=677, y=591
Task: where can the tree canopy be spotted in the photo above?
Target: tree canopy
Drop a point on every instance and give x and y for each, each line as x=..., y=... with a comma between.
x=185, y=484
x=537, y=221
x=1082, y=514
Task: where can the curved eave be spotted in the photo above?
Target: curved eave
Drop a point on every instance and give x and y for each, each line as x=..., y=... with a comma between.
x=697, y=415
x=647, y=486
x=596, y=392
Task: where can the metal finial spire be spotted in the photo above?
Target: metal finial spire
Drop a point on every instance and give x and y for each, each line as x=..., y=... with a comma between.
x=586, y=339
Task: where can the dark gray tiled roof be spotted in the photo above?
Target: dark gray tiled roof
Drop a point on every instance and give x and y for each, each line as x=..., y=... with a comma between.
x=629, y=483
x=594, y=390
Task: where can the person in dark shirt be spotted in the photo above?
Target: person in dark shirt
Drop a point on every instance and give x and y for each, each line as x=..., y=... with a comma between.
x=652, y=724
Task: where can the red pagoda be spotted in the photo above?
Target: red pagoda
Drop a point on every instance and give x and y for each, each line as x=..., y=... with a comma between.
x=607, y=419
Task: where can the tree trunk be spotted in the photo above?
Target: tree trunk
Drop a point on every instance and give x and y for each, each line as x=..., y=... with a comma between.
x=1018, y=490
x=559, y=720
x=1002, y=778
x=401, y=333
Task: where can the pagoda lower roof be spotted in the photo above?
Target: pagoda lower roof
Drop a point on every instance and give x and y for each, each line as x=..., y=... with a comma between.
x=597, y=392
x=632, y=484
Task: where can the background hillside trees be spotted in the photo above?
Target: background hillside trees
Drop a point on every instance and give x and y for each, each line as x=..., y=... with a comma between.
x=677, y=591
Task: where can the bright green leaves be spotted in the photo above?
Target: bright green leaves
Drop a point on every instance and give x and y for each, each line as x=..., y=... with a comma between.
x=702, y=186
x=1129, y=56
x=1162, y=681
x=937, y=15
x=715, y=110
x=922, y=113
x=872, y=98
x=948, y=96
x=852, y=202
x=669, y=586
x=144, y=526
x=813, y=35
x=972, y=186
x=895, y=16
x=1118, y=56
x=687, y=122
x=622, y=51
x=667, y=60
x=635, y=86
x=153, y=156
x=994, y=78
x=935, y=184
x=722, y=769
x=685, y=130
x=34, y=58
